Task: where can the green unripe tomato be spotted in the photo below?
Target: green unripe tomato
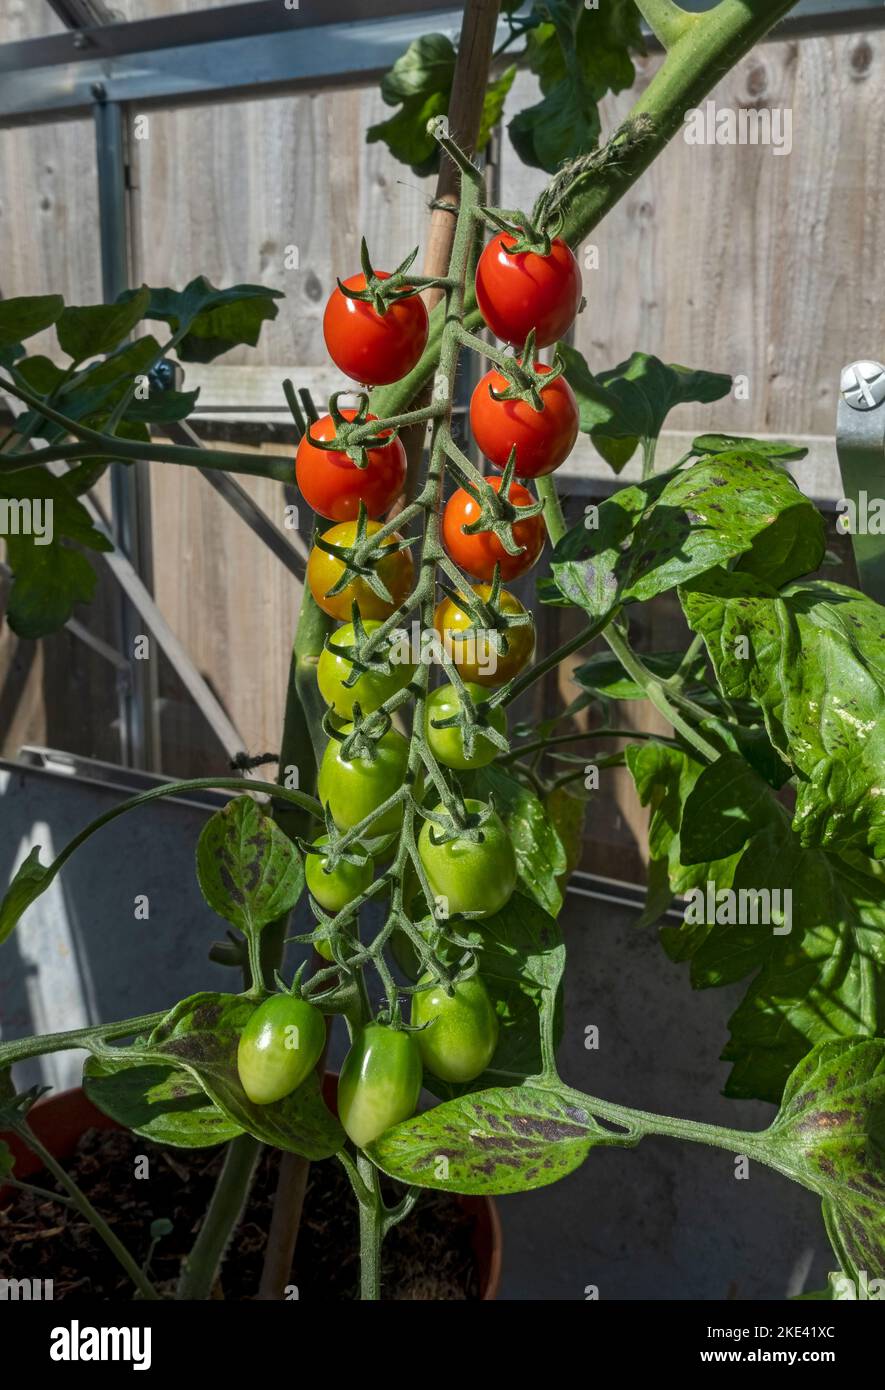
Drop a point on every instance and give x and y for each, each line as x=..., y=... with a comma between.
x=380, y=1082
x=371, y=688
x=447, y=745
x=477, y=877
x=462, y=1029
x=279, y=1046
x=353, y=789
x=334, y=889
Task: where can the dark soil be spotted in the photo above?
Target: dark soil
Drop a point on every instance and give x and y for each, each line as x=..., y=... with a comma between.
x=428, y=1256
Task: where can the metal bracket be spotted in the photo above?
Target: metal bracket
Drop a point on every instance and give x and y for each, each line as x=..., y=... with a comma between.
x=860, y=444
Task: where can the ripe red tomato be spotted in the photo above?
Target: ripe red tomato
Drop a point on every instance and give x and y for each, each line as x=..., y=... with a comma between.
x=374, y=348
x=543, y=438
x=518, y=293
x=478, y=553
x=332, y=484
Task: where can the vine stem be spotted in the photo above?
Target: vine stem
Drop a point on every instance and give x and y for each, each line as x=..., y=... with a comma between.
x=657, y=693
x=667, y=20
x=200, y=1268
x=540, y=668
x=82, y=1203
x=717, y=41
x=642, y=1123
x=20, y=1049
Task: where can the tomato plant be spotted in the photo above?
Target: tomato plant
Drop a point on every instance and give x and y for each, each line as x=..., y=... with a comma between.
x=543, y=435
x=325, y=571
x=279, y=1046
x=380, y=1082
x=473, y=648
x=371, y=346
x=474, y=872
x=438, y=848
x=478, y=552
x=370, y=690
x=335, y=887
x=447, y=744
x=355, y=788
x=459, y=1031
x=523, y=292
x=334, y=485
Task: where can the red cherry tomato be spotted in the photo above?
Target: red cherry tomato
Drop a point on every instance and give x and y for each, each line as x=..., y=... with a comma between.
x=332, y=484
x=478, y=553
x=518, y=293
x=374, y=348
x=543, y=438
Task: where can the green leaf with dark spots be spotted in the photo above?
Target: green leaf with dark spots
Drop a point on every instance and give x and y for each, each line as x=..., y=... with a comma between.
x=727, y=443
x=728, y=804
x=162, y=1103
x=507, y=1139
x=829, y=1134
x=659, y=534
x=249, y=871
x=201, y=1036
x=813, y=659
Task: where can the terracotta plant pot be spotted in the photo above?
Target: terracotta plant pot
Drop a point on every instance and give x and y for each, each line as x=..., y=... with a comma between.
x=60, y=1119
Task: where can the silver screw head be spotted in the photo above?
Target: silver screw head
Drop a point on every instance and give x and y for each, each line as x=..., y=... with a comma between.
x=863, y=385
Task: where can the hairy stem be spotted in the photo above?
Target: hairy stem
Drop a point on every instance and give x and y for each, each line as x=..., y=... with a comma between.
x=200, y=1269
x=86, y=1209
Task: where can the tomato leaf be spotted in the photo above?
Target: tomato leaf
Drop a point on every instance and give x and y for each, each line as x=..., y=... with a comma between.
x=727, y=805
x=603, y=675
x=507, y=1139
x=162, y=1103
x=579, y=55
x=26, y=315
x=212, y=321
x=249, y=871
x=31, y=878
x=727, y=443
x=420, y=83
x=93, y=329
x=628, y=404
x=658, y=534
x=522, y=957
x=49, y=578
x=829, y=1134
x=823, y=980
x=813, y=659
x=665, y=777
x=567, y=812
x=201, y=1035
x=540, y=855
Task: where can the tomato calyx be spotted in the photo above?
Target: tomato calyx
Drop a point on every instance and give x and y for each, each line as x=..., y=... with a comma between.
x=497, y=514
x=383, y=290
x=360, y=558
x=356, y=432
x=364, y=732
x=527, y=378
x=487, y=613
x=527, y=236
x=472, y=720
x=458, y=823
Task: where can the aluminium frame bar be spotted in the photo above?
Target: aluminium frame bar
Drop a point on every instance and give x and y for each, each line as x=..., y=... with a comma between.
x=192, y=58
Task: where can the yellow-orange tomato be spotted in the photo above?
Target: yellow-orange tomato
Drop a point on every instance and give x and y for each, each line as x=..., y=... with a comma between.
x=323, y=572
x=474, y=655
